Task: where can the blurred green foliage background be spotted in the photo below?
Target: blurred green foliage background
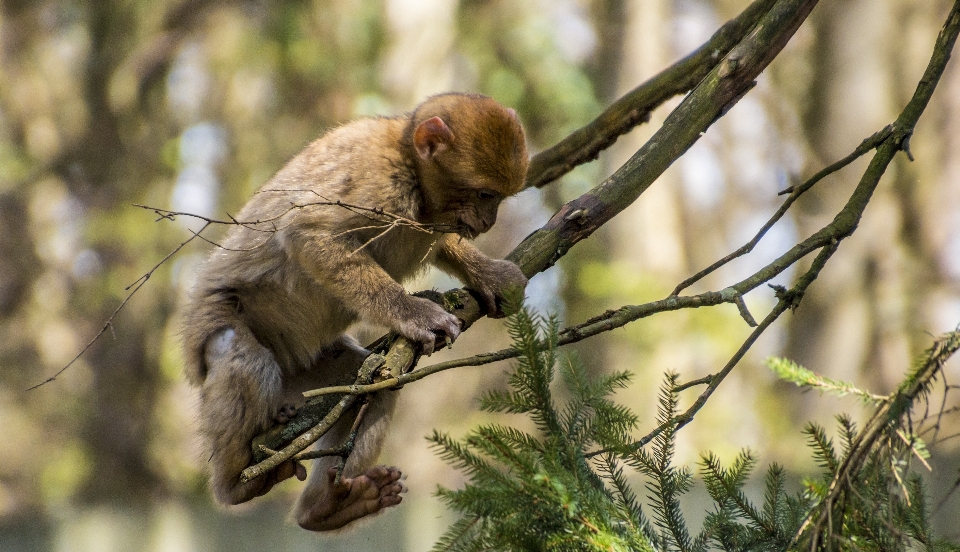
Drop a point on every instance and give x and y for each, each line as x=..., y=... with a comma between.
x=190, y=105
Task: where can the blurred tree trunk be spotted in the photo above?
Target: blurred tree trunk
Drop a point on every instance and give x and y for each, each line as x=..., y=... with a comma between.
x=99, y=169
x=614, y=71
x=78, y=168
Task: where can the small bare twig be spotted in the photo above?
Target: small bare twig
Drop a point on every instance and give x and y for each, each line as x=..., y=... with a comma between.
x=390, y=221
x=345, y=448
x=109, y=323
x=794, y=193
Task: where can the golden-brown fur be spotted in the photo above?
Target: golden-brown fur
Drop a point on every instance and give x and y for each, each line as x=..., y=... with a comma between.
x=266, y=318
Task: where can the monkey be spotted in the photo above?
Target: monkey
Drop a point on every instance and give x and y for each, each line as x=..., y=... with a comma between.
x=326, y=242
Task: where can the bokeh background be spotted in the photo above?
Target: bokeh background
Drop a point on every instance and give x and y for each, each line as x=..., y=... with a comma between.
x=190, y=105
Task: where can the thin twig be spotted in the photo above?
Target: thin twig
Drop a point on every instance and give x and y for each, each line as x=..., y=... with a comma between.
x=167, y=214
x=795, y=192
x=136, y=285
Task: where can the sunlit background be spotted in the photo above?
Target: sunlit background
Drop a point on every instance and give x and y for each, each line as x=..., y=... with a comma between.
x=192, y=105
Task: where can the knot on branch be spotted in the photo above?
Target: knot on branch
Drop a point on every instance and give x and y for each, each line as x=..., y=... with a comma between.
x=904, y=144
x=791, y=297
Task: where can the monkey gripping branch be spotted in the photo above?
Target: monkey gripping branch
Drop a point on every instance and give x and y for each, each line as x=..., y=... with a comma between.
x=725, y=69
x=742, y=49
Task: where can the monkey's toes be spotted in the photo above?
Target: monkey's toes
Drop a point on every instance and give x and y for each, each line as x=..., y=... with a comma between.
x=354, y=498
x=388, y=479
x=286, y=413
x=379, y=488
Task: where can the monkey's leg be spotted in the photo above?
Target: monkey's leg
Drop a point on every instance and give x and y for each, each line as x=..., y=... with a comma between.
x=240, y=397
x=363, y=490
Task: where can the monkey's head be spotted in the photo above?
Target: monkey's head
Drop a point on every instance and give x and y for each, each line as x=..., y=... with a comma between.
x=470, y=154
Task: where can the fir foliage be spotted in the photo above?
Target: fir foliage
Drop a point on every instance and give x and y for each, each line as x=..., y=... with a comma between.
x=788, y=370
x=540, y=492
x=565, y=487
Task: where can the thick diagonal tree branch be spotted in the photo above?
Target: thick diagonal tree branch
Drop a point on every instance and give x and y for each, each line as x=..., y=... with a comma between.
x=715, y=95
x=722, y=87
x=634, y=107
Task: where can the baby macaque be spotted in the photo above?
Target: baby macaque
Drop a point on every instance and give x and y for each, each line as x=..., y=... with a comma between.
x=267, y=316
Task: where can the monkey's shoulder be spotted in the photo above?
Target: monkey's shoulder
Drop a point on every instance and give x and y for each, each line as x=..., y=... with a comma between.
x=361, y=164
x=365, y=148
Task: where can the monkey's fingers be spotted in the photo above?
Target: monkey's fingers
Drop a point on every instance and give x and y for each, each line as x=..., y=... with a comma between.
x=442, y=334
x=450, y=327
x=427, y=346
x=441, y=339
x=490, y=302
x=288, y=469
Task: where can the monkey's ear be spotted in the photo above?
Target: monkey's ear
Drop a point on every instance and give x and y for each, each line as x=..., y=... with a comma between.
x=431, y=137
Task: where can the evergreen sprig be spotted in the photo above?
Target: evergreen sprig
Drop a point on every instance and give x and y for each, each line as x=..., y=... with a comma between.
x=540, y=492
x=789, y=370
x=564, y=487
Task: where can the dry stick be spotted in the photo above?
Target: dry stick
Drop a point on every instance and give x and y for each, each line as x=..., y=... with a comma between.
x=384, y=216
x=166, y=214
x=723, y=86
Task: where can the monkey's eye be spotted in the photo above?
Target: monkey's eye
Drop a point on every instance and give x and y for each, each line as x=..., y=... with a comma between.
x=486, y=194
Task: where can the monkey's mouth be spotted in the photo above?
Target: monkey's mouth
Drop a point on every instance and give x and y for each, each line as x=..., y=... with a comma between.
x=467, y=231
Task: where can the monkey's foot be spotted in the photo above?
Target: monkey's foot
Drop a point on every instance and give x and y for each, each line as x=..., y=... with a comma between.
x=286, y=413
x=354, y=498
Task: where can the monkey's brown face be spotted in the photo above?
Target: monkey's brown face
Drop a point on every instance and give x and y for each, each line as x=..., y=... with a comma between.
x=476, y=211
x=470, y=155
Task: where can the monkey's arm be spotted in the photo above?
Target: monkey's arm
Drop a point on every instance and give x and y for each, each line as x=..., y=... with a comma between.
x=343, y=268
x=490, y=277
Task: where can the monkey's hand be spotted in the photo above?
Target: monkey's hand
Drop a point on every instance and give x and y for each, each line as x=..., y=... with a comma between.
x=425, y=322
x=286, y=470
x=492, y=281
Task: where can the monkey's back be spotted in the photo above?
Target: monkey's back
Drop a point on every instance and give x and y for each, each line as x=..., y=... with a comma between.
x=255, y=279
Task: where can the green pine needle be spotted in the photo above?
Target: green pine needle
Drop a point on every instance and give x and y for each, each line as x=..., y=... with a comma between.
x=564, y=486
